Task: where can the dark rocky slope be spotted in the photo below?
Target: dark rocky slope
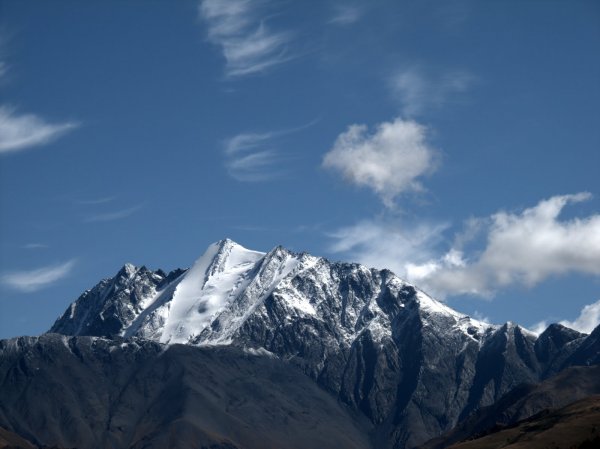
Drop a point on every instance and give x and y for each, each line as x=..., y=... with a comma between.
x=524, y=401
x=576, y=426
x=94, y=393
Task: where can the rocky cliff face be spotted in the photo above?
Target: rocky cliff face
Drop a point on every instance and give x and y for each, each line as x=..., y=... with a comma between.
x=410, y=364
x=97, y=393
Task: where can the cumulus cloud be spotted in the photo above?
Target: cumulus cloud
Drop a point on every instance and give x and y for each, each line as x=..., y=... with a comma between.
x=419, y=91
x=18, y=132
x=34, y=280
x=390, y=160
x=520, y=248
x=248, y=44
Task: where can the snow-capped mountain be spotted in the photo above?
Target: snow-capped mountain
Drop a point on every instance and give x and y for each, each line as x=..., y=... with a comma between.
x=230, y=285
x=410, y=364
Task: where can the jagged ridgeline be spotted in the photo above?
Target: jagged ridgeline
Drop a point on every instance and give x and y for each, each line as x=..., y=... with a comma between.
x=279, y=350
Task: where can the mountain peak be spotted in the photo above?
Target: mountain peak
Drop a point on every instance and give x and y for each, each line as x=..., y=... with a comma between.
x=127, y=270
x=226, y=254
x=230, y=286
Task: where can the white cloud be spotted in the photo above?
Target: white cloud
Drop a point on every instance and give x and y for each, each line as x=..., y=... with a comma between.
x=586, y=322
x=18, y=132
x=35, y=246
x=248, y=45
x=33, y=280
x=250, y=157
x=523, y=249
x=3, y=65
x=481, y=317
x=253, y=167
x=244, y=142
x=390, y=160
x=419, y=92
x=388, y=244
x=346, y=14
x=94, y=201
x=588, y=319
x=539, y=327
x=114, y=215
x=520, y=249
x=254, y=157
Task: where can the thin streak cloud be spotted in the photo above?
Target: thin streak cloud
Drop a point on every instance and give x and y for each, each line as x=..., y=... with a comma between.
x=33, y=280
x=35, y=246
x=114, y=215
x=19, y=132
x=346, y=15
x=253, y=157
x=95, y=201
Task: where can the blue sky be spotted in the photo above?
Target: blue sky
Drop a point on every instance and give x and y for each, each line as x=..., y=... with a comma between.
x=454, y=142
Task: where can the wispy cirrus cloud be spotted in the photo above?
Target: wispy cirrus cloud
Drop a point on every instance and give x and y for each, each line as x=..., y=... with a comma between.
x=33, y=280
x=253, y=157
x=3, y=63
x=346, y=14
x=519, y=249
x=248, y=43
x=420, y=91
x=113, y=215
x=94, y=201
x=390, y=160
x=19, y=132
x=35, y=246
x=387, y=243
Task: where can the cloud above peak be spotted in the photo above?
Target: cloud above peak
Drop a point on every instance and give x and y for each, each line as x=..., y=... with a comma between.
x=390, y=160
x=586, y=322
x=249, y=45
x=517, y=249
x=523, y=249
x=19, y=132
x=588, y=319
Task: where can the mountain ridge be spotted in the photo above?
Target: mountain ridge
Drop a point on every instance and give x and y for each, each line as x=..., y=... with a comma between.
x=412, y=365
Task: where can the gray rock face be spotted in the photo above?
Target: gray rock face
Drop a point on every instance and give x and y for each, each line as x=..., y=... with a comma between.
x=526, y=400
x=90, y=392
x=113, y=304
x=411, y=365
